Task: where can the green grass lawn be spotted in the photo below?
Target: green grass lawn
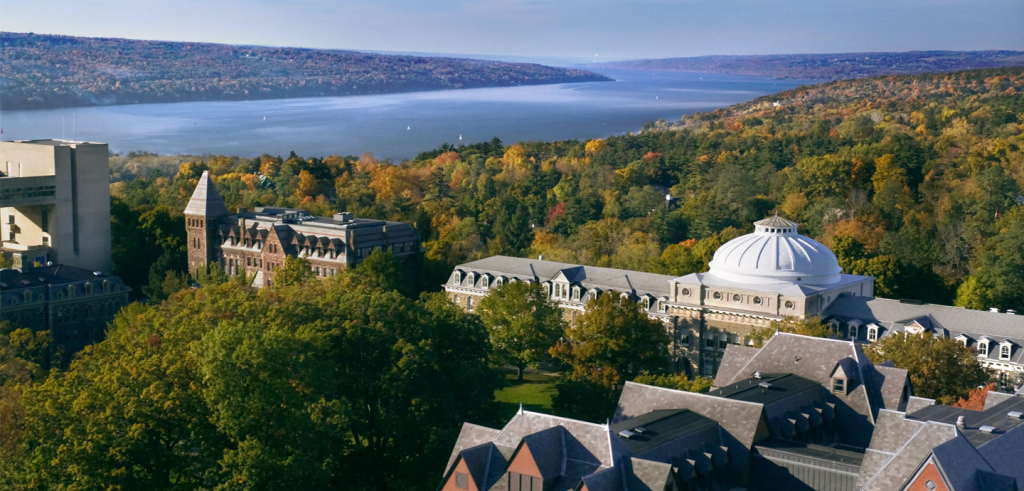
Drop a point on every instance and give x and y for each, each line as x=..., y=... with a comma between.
x=534, y=392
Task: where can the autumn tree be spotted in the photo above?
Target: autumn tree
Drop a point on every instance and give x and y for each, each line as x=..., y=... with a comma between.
x=296, y=270
x=975, y=400
x=676, y=381
x=523, y=323
x=939, y=368
x=613, y=341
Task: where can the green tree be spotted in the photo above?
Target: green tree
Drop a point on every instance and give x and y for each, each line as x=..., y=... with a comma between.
x=939, y=368
x=613, y=341
x=522, y=323
x=296, y=270
x=383, y=270
x=676, y=381
x=811, y=326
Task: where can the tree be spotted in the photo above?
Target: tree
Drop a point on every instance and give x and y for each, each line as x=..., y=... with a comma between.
x=676, y=381
x=384, y=271
x=296, y=270
x=940, y=368
x=812, y=326
x=522, y=322
x=975, y=400
x=613, y=341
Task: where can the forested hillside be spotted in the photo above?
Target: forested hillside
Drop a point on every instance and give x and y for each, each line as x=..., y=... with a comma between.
x=40, y=71
x=916, y=180
x=830, y=66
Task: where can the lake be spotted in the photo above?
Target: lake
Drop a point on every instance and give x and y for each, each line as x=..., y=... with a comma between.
x=395, y=126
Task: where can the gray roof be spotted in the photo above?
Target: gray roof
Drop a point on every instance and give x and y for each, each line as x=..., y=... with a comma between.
x=661, y=427
x=735, y=358
x=1004, y=454
x=898, y=448
x=737, y=418
x=206, y=201
x=647, y=475
x=588, y=277
x=470, y=435
x=959, y=462
x=585, y=442
x=995, y=416
x=945, y=320
x=776, y=221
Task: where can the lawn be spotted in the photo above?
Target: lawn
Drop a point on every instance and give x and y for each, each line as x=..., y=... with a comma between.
x=534, y=392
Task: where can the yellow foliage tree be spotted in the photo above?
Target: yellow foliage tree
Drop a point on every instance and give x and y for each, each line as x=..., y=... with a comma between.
x=307, y=185
x=595, y=146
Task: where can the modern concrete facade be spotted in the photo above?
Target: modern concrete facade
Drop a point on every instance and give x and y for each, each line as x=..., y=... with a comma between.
x=255, y=243
x=55, y=199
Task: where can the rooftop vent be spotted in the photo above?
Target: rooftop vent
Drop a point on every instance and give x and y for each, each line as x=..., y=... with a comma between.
x=97, y=273
x=640, y=429
x=764, y=385
x=540, y=257
x=49, y=263
x=988, y=429
x=757, y=374
x=627, y=434
x=1015, y=415
x=994, y=309
x=1011, y=311
x=961, y=422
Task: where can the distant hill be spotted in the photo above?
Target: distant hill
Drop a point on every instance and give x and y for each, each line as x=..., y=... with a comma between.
x=40, y=71
x=835, y=66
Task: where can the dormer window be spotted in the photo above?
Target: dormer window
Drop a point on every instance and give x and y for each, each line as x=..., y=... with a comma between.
x=485, y=281
x=873, y=333
x=576, y=293
x=500, y=281
x=456, y=278
x=853, y=332
x=1004, y=350
x=839, y=386
x=962, y=339
x=983, y=347
x=647, y=303
x=472, y=278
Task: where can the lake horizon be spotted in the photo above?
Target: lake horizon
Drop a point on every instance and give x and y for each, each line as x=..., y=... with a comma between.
x=395, y=126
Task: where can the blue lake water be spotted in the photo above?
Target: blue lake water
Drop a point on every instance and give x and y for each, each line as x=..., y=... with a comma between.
x=395, y=126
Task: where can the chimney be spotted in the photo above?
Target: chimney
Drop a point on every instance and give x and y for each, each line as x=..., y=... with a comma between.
x=960, y=422
x=241, y=223
x=540, y=257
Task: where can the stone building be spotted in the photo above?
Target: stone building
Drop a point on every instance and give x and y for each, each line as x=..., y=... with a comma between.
x=255, y=243
x=74, y=304
x=767, y=275
x=55, y=203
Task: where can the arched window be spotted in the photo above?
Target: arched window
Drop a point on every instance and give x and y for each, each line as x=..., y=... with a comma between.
x=71, y=291
x=576, y=293
x=469, y=303
x=456, y=278
x=854, y=332
x=1004, y=351
x=873, y=333
x=983, y=347
x=485, y=281
x=647, y=303
x=88, y=288
x=28, y=296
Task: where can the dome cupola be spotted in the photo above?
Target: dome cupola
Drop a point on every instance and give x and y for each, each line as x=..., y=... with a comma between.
x=775, y=253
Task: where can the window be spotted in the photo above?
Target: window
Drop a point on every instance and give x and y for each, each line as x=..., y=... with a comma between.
x=1004, y=351
x=565, y=291
x=709, y=368
x=723, y=343
x=709, y=342
x=519, y=482
x=647, y=303
x=456, y=276
x=789, y=304
x=717, y=295
x=333, y=273
x=10, y=219
x=485, y=281
x=685, y=339
x=469, y=303
x=461, y=480
x=757, y=300
x=873, y=334
x=88, y=288
x=853, y=331
x=28, y=296
x=71, y=291
x=736, y=297
x=576, y=293
x=983, y=348
x=686, y=292
x=839, y=386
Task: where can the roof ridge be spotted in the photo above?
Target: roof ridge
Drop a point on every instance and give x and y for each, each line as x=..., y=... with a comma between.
x=694, y=393
x=552, y=416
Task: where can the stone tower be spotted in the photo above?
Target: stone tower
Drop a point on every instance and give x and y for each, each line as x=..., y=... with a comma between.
x=202, y=216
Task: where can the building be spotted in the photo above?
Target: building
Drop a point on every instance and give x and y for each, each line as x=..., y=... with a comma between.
x=795, y=414
x=255, y=243
x=55, y=198
x=997, y=338
x=767, y=275
x=74, y=304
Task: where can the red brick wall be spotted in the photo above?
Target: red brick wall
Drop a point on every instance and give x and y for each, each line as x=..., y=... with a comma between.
x=450, y=484
x=929, y=473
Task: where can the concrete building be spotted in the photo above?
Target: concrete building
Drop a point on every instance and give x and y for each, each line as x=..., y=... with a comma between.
x=255, y=243
x=55, y=198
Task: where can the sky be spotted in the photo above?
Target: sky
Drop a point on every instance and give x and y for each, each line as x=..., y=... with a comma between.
x=581, y=29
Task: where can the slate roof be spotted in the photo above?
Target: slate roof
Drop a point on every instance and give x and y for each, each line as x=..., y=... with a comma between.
x=470, y=435
x=620, y=280
x=788, y=289
x=898, y=448
x=995, y=416
x=661, y=427
x=585, y=442
x=1004, y=454
x=51, y=280
x=206, y=201
x=893, y=315
x=735, y=358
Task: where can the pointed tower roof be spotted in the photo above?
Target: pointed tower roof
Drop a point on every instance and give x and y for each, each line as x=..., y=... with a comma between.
x=206, y=201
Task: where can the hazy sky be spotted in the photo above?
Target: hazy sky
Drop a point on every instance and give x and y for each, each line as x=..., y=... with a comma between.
x=611, y=28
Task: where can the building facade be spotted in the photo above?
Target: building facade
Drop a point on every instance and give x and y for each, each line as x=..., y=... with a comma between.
x=74, y=304
x=55, y=199
x=255, y=243
x=770, y=274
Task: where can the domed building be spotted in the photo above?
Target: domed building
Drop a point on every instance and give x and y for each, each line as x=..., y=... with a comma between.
x=771, y=273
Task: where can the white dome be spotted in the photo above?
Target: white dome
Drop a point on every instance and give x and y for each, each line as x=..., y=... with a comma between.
x=775, y=253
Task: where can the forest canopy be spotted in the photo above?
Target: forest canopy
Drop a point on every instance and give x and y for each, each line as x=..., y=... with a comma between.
x=41, y=71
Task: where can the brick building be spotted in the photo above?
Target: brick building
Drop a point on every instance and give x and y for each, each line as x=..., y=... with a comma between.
x=255, y=243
